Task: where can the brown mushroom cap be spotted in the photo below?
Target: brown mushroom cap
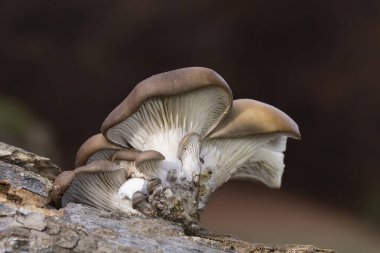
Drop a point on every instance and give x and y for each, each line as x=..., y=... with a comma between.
x=168, y=100
x=148, y=162
x=91, y=146
x=97, y=166
x=251, y=117
x=63, y=180
x=126, y=155
x=149, y=155
x=60, y=185
x=164, y=84
x=95, y=184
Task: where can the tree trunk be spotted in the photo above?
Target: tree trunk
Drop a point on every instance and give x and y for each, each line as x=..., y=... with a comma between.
x=29, y=224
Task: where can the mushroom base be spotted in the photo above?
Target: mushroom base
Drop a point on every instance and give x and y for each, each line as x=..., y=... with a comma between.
x=176, y=203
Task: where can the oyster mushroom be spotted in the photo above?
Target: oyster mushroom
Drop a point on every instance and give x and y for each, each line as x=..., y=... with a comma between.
x=95, y=163
x=95, y=184
x=160, y=111
x=248, y=144
x=94, y=148
x=174, y=139
x=167, y=106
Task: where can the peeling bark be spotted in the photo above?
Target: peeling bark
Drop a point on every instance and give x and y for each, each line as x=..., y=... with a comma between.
x=28, y=224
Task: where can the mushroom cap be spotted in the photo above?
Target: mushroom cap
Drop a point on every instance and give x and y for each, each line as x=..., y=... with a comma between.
x=96, y=184
x=164, y=84
x=251, y=117
x=91, y=146
x=127, y=154
x=63, y=180
x=60, y=185
x=149, y=155
x=149, y=163
x=97, y=166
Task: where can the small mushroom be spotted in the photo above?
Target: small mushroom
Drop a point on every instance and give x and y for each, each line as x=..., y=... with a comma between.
x=97, y=185
x=105, y=167
x=94, y=153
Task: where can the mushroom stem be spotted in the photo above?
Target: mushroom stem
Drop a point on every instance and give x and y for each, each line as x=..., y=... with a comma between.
x=188, y=152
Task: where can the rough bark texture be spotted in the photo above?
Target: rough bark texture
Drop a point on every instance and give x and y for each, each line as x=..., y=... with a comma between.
x=27, y=224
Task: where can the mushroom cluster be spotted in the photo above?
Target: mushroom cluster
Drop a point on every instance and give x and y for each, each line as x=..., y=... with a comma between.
x=174, y=140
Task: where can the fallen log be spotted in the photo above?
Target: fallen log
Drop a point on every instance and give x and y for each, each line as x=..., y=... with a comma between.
x=29, y=224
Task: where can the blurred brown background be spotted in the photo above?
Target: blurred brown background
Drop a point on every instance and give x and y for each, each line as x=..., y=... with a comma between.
x=65, y=65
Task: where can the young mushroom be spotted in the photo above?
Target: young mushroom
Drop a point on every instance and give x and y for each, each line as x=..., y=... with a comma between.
x=96, y=179
x=95, y=148
x=95, y=184
x=172, y=141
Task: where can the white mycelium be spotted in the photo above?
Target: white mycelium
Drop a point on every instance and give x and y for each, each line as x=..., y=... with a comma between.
x=131, y=186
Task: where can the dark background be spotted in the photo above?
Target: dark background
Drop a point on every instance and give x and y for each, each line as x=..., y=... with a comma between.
x=65, y=65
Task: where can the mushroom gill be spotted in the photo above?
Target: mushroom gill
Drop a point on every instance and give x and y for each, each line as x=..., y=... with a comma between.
x=97, y=185
x=248, y=144
x=165, y=107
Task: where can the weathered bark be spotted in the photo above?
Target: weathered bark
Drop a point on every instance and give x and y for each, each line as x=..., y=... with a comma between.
x=27, y=224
